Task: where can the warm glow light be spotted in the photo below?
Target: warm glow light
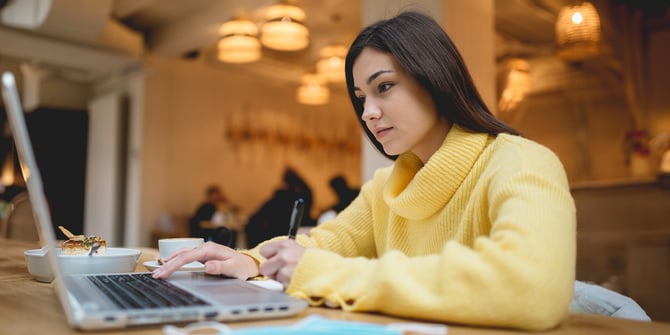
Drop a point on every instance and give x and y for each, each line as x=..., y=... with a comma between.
x=577, y=18
x=239, y=42
x=7, y=177
x=517, y=87
x=578, y=32
x=313, y=90
x=284, y=28
x=331, y=63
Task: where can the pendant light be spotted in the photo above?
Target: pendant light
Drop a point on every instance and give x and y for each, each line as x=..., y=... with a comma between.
x=313, y=90
x=284, y=28
x=239, y=42
x=578, y=32
x=331, y=62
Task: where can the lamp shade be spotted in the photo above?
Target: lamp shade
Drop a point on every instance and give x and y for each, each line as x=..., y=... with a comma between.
x=331, y=63
x=239, y=42
x=313, y=90
x=578, y=32
x=284, y=28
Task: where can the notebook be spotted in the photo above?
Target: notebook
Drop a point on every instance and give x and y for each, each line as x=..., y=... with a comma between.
x=136, y=298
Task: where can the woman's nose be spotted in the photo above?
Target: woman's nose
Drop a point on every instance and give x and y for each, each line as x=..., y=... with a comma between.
x=371, y=112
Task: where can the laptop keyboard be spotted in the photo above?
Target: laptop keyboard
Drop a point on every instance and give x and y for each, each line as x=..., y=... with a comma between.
x=140, y=290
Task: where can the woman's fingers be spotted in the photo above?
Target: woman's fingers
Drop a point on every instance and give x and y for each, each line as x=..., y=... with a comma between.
x=208, y=251
x=268, y=250
x=272, y=263
x=270, y=267
x=281, y=259
x=239, y=266
x=177, y=253
x=284, y=275
x=218, y=268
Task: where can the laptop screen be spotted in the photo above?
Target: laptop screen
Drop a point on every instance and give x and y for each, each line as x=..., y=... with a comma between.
x=33, y=180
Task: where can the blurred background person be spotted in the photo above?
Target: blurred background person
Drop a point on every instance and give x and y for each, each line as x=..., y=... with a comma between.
x=272, y=218
x=345, y=195
x=216, y=219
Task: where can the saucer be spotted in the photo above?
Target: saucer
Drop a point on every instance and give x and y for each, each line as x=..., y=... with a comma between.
x=190, y=267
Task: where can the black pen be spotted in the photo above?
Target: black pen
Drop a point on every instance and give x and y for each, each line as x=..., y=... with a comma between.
x=296, y=217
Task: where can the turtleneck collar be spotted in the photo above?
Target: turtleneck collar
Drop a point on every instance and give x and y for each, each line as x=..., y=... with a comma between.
x=416, y=191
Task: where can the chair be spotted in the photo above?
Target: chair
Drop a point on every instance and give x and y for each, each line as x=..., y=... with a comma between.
x=19, y=223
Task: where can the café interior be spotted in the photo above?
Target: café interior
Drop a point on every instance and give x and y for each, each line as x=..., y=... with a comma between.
x=136, y=106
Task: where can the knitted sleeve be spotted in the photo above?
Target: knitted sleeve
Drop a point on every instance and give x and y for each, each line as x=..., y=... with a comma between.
x=520, y=275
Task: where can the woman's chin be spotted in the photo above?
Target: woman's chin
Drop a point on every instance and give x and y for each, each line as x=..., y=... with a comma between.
x=391, y=151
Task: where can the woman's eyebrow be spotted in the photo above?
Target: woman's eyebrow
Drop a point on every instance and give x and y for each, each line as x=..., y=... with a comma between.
x=375, y=75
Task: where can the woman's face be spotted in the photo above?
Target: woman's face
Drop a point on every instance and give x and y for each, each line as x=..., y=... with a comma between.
x=397, y=110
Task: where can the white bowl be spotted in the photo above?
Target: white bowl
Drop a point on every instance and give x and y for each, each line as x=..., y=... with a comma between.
x=117, y=260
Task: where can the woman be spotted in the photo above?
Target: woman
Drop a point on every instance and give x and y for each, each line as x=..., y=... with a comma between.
x=472, y=224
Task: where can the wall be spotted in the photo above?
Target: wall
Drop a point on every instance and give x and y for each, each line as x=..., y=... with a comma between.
x=582, y=112
x=623, y=240
x=658, y=72
x=587, y=134
x=189, y=112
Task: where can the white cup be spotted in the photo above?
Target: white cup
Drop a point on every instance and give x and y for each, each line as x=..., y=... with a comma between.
x=168, y=246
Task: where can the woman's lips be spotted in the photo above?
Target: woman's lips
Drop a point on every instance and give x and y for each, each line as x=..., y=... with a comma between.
x=382, y=132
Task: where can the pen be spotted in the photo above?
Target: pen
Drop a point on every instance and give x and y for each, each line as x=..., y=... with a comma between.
x=296, y=217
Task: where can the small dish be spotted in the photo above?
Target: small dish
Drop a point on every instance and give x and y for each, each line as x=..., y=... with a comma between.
x=116, y=260
x=190, y=267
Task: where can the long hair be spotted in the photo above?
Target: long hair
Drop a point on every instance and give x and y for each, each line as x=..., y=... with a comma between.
x=426, y=53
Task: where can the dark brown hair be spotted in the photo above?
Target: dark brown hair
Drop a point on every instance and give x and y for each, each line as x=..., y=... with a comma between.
x=426, y=53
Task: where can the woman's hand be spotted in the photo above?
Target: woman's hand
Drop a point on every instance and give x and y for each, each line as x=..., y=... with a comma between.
x=218, y=260
x=282, y=258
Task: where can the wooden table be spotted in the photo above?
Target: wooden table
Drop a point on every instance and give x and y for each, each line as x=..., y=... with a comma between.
x=30, y=307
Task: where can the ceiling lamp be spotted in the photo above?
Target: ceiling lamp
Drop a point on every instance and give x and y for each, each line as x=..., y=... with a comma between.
x=313, y=90
x=239, y=42
x=578, y=32
x=284, y=28
x=331, y=63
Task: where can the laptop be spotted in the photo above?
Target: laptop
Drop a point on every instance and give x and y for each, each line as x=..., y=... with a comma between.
x=88, y=301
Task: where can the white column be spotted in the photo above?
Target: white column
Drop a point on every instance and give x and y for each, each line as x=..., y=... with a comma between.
x=471, y=25
x=135, y=233
x=102, y=215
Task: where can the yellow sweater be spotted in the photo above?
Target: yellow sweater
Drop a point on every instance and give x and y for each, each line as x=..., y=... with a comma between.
x=483, y=234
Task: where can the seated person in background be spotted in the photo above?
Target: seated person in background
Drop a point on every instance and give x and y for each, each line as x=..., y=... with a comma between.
x=215, y=219
x=272, y=218
x=471, y=224
x=345, y=195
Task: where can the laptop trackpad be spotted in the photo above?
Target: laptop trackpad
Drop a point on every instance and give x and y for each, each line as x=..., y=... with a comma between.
x=226, y=290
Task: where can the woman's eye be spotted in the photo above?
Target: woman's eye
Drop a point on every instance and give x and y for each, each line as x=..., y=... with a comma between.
x=383, y=87
x=361, y=99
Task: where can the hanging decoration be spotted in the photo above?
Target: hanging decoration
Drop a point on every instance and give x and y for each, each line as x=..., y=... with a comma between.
x=331, y=62
x=313, y=90
x=239, y=42
x=578, y=32
x=276, y=130
x=284, y=28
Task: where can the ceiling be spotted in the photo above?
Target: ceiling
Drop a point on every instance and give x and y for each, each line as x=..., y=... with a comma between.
x=178, y=28
x=162, y=22
x=519, y=23
x=524, y=28
x=189, y=28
